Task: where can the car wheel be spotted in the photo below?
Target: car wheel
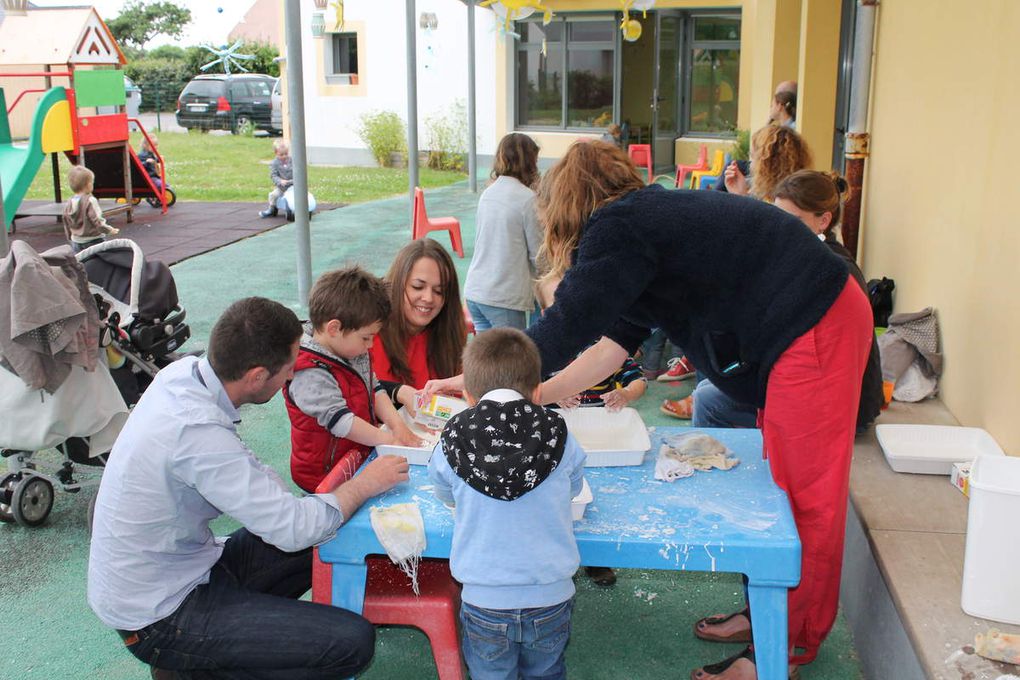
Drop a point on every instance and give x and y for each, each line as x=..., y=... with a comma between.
x=243, y=125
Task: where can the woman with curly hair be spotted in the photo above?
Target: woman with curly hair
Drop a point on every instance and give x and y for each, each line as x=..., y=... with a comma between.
x=757, y=301
x=777, y=151
x=425, y=334
x=498, y=288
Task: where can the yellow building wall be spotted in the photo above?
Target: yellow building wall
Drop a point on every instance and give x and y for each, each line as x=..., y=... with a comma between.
x=816, y=90
x=940, y=213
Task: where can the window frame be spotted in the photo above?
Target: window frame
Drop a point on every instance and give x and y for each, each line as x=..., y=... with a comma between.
x=592, y=46
x=687, y=65
x=336, y=77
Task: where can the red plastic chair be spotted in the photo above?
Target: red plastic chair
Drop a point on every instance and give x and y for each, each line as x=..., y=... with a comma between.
x=389, y=600
x=469, y=323
x=641, y=155
x=423, y=225
x=682, y=170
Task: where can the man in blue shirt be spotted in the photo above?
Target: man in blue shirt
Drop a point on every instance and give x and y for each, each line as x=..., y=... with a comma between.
x=181, y=599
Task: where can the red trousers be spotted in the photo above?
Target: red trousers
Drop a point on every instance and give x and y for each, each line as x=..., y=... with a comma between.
x=808, y=429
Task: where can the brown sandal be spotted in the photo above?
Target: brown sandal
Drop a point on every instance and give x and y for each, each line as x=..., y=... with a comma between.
x=724, y=665
x=678, y=408
x=740, y=636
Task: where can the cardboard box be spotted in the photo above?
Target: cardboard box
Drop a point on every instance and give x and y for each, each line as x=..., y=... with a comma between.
x=960, y=477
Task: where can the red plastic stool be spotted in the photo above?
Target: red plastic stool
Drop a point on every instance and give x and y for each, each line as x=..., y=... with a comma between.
x=389, y=600
x=423, y=225
x=641, y=155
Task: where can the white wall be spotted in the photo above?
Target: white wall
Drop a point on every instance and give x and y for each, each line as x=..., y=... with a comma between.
x=332, y=118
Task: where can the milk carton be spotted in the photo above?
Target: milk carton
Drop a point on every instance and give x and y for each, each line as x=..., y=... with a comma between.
x=437, y=410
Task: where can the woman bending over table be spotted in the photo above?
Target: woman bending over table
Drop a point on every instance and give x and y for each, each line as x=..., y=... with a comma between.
x=425, y=334
x=759, y=304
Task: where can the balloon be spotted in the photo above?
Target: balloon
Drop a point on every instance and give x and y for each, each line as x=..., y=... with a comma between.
x=631, y=30
x=643, y=5
x=220, y=10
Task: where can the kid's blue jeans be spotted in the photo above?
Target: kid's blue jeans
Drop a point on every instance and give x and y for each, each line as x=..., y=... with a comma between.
x=507, y=644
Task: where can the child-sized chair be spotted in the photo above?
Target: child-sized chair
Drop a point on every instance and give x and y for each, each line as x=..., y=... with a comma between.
x=682, y=170
x=423, y=225
x=641, y=155
x=717, y=168
x=709, y=182
x=389, y=600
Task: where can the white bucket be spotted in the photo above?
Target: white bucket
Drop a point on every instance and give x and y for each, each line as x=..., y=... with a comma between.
x=991, y=587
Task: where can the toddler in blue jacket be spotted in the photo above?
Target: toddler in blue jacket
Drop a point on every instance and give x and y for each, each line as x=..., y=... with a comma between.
x=512, y=469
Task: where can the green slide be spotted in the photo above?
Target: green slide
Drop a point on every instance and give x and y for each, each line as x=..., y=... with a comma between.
x=51, y=131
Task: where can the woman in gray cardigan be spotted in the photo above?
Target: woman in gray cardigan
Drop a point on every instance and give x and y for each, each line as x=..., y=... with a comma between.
x=499, y=288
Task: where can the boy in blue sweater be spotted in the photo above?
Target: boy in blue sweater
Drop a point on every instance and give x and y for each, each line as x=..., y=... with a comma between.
x=512, y=469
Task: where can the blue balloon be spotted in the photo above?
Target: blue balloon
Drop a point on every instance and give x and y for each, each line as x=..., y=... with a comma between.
x=220, y=10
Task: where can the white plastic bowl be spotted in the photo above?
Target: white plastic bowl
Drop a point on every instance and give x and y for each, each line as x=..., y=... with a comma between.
x=414, y=455
x=580, y=501
x=609, y=439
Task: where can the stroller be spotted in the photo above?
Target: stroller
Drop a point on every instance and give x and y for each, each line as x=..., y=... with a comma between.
x=139, y=324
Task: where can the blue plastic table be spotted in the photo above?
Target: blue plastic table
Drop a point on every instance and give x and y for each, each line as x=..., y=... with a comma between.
x=732, y=521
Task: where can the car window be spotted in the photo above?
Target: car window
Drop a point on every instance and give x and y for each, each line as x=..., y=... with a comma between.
x=258, y=88
x=204, y=88
x=238, y=90
x=276, y=86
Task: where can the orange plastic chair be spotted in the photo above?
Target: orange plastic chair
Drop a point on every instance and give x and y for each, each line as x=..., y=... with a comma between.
x=682, y=170
x=641, y=155
x=716, y=169
x=423, y=225
x=389, y=600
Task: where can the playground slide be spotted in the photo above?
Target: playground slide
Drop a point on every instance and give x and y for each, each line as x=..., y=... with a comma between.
x=51, y=131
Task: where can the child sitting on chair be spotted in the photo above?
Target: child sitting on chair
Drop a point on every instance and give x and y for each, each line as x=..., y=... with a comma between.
x=84, y=224
x=281, y=174
x=150, y=161
x=334, y=400
x=512, y=469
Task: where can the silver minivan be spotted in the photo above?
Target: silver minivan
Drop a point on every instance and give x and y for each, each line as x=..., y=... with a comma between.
x=276, y=118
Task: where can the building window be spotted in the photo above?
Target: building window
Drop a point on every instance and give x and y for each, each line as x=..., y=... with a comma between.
x=713, y=68
x=343, y=60
x=583, y=48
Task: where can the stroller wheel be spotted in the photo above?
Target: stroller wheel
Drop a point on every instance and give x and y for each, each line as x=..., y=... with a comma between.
x=32, y=501
x=7, y=485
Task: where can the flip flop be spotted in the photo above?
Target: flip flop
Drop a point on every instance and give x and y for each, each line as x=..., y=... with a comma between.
x=715, y=669
x=740, y=636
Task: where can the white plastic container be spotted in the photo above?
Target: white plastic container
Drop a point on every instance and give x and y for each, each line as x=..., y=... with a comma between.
x=414, y=456
x=991, y=585
x=580, y=501
x=932, y=449
x=609, y=439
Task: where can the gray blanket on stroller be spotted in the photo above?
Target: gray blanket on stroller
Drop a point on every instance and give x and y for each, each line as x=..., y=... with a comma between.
x=48, y=319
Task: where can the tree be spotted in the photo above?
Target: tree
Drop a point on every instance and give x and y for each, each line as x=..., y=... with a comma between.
x=140, y=21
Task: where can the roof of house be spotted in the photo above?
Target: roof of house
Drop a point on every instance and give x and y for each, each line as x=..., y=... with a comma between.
x=58, y=35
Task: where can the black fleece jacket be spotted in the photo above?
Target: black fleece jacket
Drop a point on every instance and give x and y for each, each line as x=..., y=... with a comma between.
x=730, y=279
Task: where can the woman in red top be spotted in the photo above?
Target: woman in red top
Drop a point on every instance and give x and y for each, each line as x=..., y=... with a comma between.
x=425, y=334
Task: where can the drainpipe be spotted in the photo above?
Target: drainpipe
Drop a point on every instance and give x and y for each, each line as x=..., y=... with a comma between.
x=298, y=152
x=857, y=138
x=472, y=144
x=412, y=104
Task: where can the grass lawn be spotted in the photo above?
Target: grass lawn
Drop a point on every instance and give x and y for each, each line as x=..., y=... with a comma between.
x=236, y=168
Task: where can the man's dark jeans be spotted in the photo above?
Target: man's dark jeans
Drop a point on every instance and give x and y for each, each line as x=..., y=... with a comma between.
x=248, y=623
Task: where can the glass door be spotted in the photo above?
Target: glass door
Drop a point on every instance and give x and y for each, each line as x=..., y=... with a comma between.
x=666, y=93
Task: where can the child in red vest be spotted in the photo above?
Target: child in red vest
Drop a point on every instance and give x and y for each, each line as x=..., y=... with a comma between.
x=335, y=401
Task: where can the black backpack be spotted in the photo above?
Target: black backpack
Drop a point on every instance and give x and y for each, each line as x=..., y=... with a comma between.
x=880, y=294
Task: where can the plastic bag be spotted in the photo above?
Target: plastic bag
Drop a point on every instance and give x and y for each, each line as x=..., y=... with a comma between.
x=401, y=531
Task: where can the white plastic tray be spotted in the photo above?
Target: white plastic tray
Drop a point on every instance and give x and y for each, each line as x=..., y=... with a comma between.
x=609, y=439
x=932, y=449
x=414, y=456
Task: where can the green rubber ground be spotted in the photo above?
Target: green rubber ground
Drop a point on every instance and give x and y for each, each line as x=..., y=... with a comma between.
x=639, y=629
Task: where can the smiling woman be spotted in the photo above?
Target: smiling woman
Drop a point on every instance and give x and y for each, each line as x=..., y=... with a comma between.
x=425, y=334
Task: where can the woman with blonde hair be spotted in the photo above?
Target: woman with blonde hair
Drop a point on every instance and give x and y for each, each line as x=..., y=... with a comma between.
x=757, y=302
x=498, y=288
x=425, y=334
x=776, y=152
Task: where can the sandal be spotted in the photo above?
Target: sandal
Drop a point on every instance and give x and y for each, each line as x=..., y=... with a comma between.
x=715, y=669
x=739, y=636
x=678, y=408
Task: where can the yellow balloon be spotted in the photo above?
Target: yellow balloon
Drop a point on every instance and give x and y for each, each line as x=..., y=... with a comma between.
x=631, y=30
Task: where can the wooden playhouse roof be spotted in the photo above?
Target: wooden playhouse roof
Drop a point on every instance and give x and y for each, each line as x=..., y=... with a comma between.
x=58, y=35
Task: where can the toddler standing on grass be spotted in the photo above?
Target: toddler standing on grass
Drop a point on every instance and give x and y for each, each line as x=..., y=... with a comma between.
x=84, y=224
x=335, y=402
x=281, y=174
x=512, y=469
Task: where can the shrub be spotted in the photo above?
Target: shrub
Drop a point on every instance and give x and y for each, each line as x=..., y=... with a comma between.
x=384, y=133
x=161, y=80
x=446, y=136
x=742, y=146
